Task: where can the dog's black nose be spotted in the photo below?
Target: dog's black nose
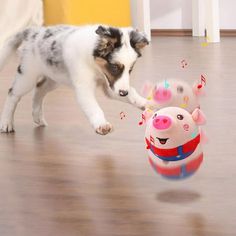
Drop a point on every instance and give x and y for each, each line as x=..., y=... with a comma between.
x=123, y=93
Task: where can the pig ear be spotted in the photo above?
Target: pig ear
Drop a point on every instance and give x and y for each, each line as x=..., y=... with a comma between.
x=198, y=89
x=198, y=117
x=146, y=115
x=203, y=137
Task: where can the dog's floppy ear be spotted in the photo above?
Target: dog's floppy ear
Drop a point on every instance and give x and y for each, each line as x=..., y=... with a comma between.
x=110, y=38
x=138, y=40
x=103, y=31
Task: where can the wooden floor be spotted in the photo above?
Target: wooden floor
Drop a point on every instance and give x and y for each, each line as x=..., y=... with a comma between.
x=65, y=180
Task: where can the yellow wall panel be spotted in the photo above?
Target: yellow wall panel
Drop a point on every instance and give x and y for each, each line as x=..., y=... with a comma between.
x=77, y=12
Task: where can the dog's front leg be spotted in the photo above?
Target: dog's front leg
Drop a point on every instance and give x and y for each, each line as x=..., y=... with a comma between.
x=86, y=98
x=137, y=100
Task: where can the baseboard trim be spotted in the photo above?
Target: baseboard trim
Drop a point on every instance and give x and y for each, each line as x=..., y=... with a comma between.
x=171, y=32
x=228, y=33
x=188, y=32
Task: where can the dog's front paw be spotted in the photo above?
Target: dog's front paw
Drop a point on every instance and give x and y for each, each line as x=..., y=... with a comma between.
x=6, y=127
x=104, y=129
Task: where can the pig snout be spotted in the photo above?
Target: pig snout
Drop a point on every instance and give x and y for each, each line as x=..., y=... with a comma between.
x=162, y=122
x=162, y=94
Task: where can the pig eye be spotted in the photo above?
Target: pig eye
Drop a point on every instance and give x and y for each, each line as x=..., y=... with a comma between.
x=180, y=89
x=180, y=117
x=154, y=116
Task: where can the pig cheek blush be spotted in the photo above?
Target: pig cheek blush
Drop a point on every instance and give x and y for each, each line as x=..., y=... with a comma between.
x=186, y=127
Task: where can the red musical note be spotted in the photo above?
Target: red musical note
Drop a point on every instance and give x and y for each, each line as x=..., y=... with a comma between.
x=122, y=115
x=143, y=119
x=184, y=63
x=203, y=81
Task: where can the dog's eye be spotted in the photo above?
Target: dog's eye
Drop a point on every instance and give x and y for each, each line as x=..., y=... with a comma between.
x=180, y=117
x=114, y=68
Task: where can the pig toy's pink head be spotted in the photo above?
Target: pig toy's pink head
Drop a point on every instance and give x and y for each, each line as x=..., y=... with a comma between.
x=173, y=126
x=173, y=139
x=175, y=93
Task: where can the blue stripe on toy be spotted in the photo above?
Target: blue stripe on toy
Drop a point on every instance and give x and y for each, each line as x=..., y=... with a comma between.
x=184, y=174
x=181, y=155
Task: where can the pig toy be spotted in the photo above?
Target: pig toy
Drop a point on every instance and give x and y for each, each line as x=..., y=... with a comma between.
x=174, y=93
x=174, y=141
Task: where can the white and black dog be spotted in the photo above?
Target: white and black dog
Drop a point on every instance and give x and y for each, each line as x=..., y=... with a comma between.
x=78, y=57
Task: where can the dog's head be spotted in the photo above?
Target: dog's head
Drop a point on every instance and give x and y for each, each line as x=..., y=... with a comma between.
x=116, y=52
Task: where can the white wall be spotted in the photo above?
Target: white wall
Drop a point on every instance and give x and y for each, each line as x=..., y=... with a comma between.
x=171, y=14
x=227, y=14
x=176, y=14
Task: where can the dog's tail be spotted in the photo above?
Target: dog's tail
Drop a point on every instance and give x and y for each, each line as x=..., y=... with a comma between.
x=11, y=46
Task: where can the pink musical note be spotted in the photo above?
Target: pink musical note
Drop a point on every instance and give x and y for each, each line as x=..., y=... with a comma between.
x=122, y=115
x=184, y=63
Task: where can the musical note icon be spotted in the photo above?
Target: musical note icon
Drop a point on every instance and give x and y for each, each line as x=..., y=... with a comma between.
x=150, y=95
x=122, y=115
x=185, y=104
x=143, y=120
x=184, y=63
x=152, y=141
x=204, y=44
x=203, y=81
x=166, y=85
x=194, y=133
x=186, y=98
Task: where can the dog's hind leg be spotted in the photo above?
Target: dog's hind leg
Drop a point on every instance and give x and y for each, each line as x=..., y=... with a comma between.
x=42, y=88
x=24, y=82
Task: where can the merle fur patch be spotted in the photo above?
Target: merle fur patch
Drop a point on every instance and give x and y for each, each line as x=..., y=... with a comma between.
x=50, y=45
x=48, y=33
x=10, y=91
x=19, y=69
x=41, y=82
x=34, y=35
x=26, y=33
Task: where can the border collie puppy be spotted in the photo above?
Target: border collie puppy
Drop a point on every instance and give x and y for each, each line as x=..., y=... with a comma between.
x=78, y=57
